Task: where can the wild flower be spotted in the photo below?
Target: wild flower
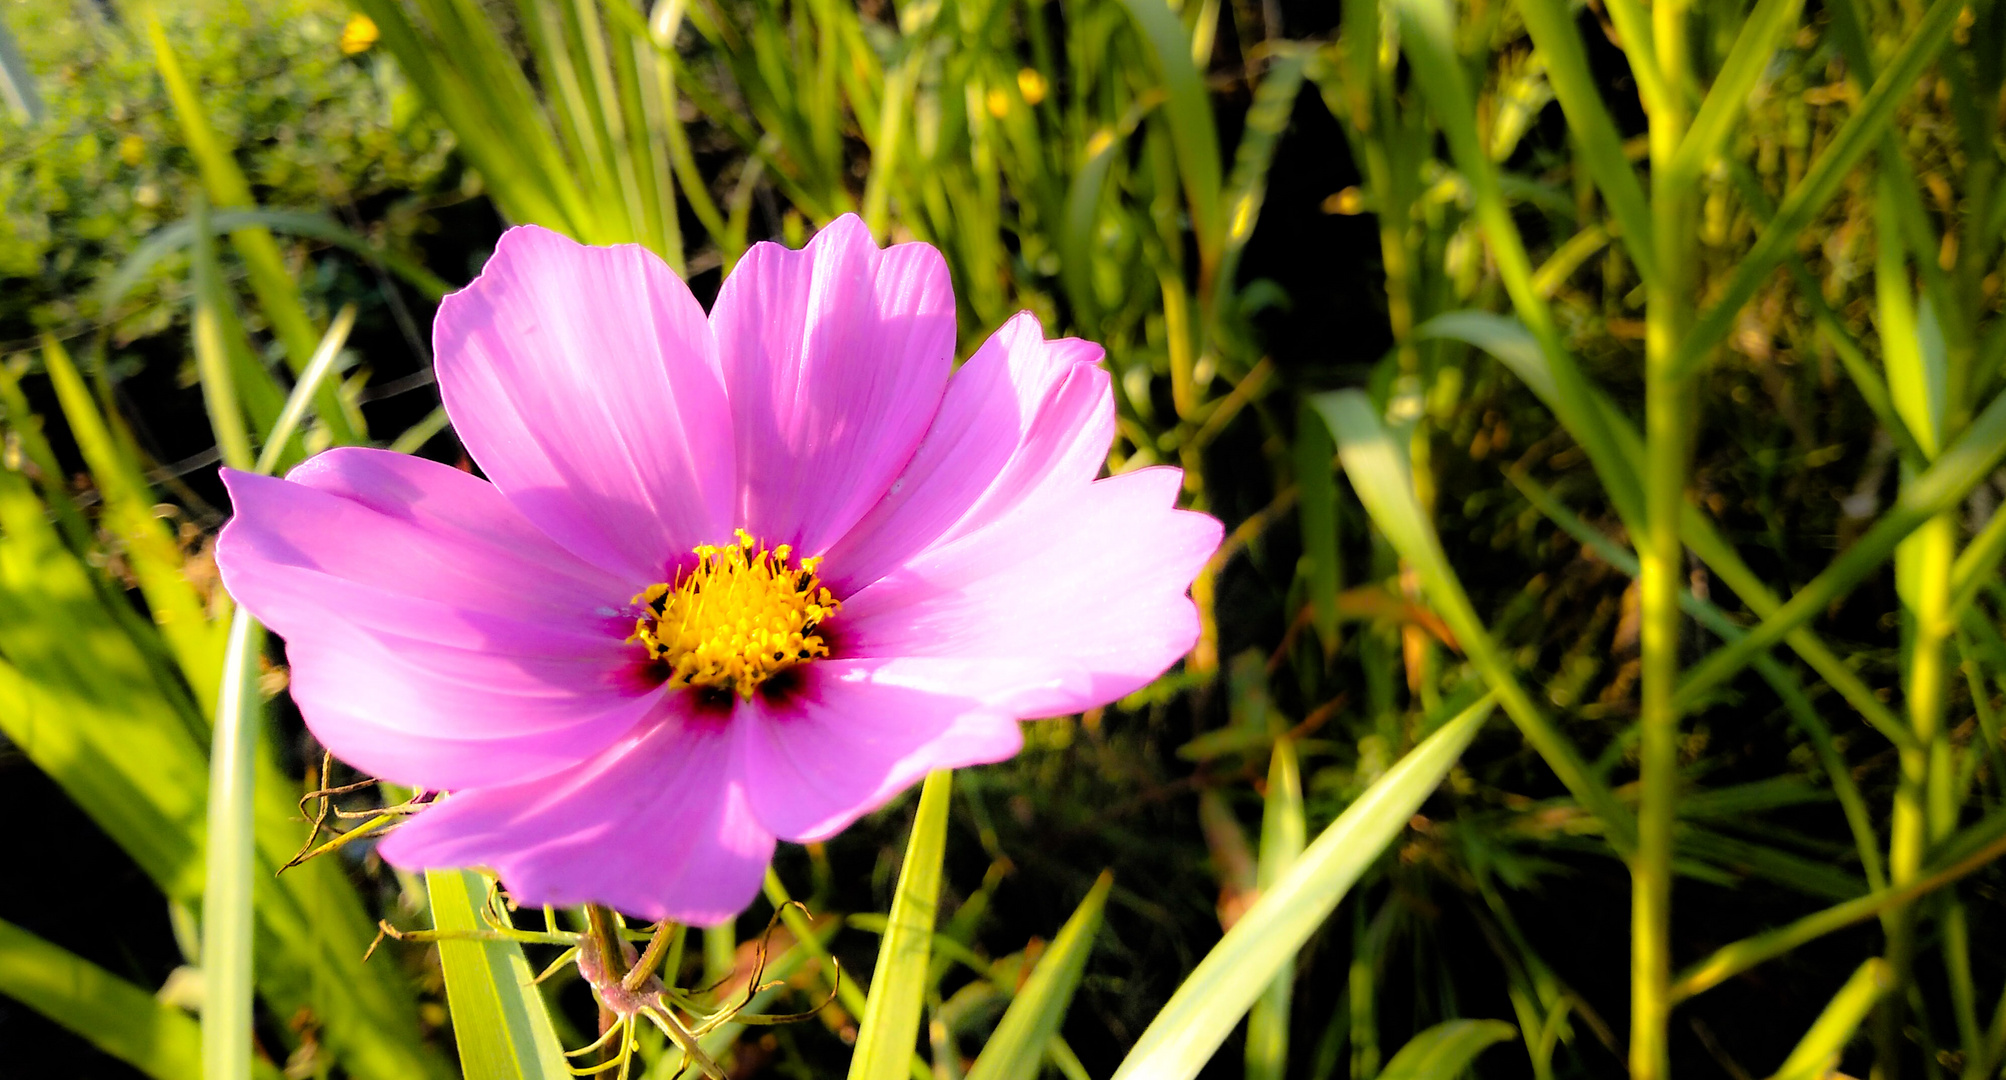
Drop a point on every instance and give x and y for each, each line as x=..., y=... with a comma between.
x=728, y=578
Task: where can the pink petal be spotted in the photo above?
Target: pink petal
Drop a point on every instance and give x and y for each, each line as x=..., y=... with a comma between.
x=1069, y=602
x=851, y=736
x=834, y=357
x=1022, y=414
x=436, y=637
x=653, y=827
x=585, y=383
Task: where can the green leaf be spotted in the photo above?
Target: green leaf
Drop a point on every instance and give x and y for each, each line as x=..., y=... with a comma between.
x=1445, y=1051
x=1861, y=131
x=1194, y=131
x=889, y=1028
x=1247, y=186
x=1209, y=1004
x=499, y=1020
x=1551, y=23
x=1283, y=835
x=1753, y=50
x=1378, y=468
x=1316, y=514
x=169, y=239
x=232, y=857
x=115, y=1016
x=1818, y=1051
x=213, y=352
x=301, y=399
x=1018, y=1045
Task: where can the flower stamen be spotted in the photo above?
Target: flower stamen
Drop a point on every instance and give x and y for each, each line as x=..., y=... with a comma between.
x=739, y=617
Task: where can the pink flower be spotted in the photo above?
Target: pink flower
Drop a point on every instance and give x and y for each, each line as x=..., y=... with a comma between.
x=729, y=579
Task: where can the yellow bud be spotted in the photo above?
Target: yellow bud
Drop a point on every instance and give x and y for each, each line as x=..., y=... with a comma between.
x=132, y=150
x=999, y=103
x=358, y=35
x=1031, y=85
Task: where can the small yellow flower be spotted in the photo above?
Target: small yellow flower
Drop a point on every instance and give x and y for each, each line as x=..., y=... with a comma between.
x=999, y=102
x=358, y=35
x=1031, y=85
x=132, y=150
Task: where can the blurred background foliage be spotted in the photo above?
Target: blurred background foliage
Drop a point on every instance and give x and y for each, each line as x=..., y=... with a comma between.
x=1250, y=204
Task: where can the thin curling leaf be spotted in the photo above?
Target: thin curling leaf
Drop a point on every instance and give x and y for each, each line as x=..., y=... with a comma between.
x=1818, y=1051
x=890, y=1024
x=1207, y=1007
x=1018, y=1046
x=500, y=1022
x=1445, y=1051
x=231, y=860
x=120, y=1019
x=1379, y=474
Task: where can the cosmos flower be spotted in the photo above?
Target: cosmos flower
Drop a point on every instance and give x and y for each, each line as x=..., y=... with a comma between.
x=727, y=579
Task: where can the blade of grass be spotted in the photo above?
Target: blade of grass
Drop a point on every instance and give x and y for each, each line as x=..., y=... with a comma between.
x=212, y=356
x=227, y=188
x=1018, y=1046
x=115, y=1016
x=1446, y=1051
x=1283, y=836
x=231, y=854
x=324, y=356
x=1379, y=474
x=1861, y=132
x=1208, y=1005
x=1193, y=131
x=1817, y=1052
x=889, y=1026
x=500, y=1022
x=1753, y=51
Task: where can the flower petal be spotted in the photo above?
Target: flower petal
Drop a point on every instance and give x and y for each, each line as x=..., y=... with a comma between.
x=851, y=736
x=585, y=382
x=1022, y=414
x=1068, y=602
x=436, y=637
x=834, y=357
x=653, y=827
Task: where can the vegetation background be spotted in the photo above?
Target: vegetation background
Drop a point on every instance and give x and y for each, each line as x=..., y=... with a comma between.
x=1251, y=204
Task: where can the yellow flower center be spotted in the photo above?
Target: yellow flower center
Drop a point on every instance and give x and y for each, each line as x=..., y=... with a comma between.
x=741, y=616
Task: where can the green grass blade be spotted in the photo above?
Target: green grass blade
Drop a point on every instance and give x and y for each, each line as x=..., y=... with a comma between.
x=115, y=1016
x=224, y=180
x=1316, y=514
x=149, y=548
x=1962, y=466
x=499, y=1020
x=1551, y=23
x=1209, y=1004
x=324, y=356
x=1284, y=833
x=1514, y=346
x=1194, y=133
x=1445, y=1051
x=1379, y=474
x=212, y=354
x=1247, y=185
x=1017, y=1047
x=1818, y=1051
x=227, y=986
x=889, y=1027
x=1860, y=133
x=169, y=239
x=1753, y=50
x=1427, y=34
